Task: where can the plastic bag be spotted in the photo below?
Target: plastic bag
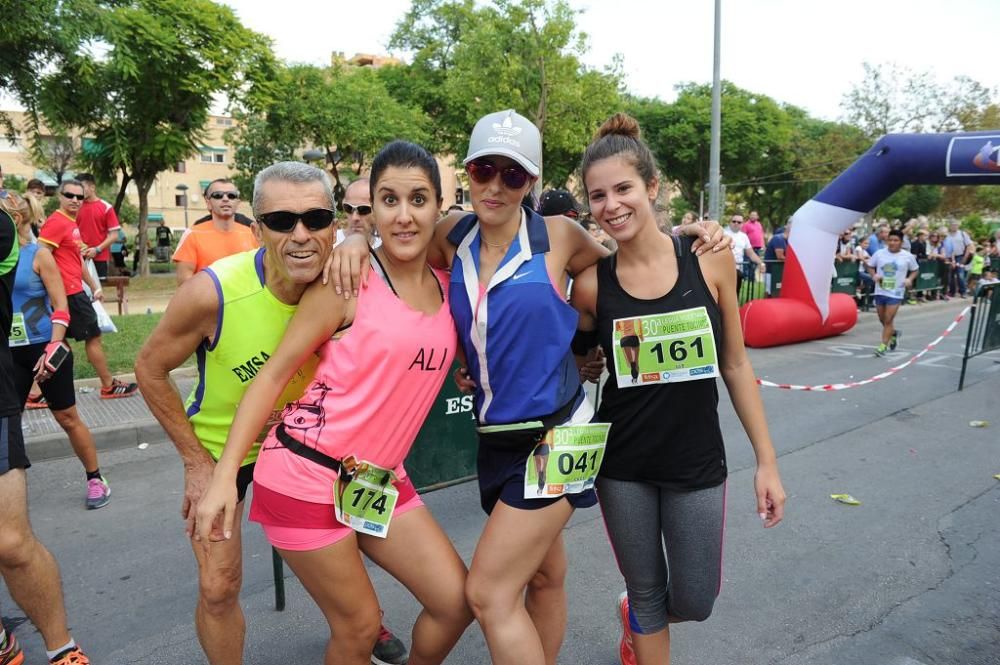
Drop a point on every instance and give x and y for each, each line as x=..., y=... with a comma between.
x=104, y=321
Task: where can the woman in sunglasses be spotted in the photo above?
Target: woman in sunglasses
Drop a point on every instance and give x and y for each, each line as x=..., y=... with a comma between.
x=509, y=271
x=329, y=483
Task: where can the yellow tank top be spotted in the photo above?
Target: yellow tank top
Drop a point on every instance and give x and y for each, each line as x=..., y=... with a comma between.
x=251, y=322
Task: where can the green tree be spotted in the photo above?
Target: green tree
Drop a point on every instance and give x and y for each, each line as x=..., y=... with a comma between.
x=53, y=154
x=892, y=98
x=774, y=157
x=346, y=112
x=528, y=52
x=756, y=133
x=911, y=201
x=144, y=96
x=34, y=35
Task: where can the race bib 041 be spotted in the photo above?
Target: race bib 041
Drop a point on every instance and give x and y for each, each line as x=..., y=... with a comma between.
x=366, y=501
x=565, y=461
x=664, y=348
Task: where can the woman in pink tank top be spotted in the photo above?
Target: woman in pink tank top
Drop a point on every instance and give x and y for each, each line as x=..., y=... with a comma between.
x=329, y=483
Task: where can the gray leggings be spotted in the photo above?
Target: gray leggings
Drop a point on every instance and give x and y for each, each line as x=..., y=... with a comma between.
x=682, y=583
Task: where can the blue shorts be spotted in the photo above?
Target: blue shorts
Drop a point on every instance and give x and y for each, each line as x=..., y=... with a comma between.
x=887, y=300
x=502, y=460
x=501, y=478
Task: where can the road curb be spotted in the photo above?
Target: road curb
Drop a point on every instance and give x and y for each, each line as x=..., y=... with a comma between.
x=179, y=373
x=57, y=446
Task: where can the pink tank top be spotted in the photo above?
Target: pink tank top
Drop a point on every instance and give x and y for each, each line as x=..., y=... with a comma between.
x=374, y=386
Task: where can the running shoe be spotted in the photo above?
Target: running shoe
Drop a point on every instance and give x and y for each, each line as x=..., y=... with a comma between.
x=37, y=401
x=894, y=339
x=880, y=351
x=119, y=389
x=389, y=649
x=625, y=651
x=11, y=653
x=71, y=657
x=98, y=493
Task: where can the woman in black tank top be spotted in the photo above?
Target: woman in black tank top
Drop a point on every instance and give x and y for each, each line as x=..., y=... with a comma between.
x=667, y=321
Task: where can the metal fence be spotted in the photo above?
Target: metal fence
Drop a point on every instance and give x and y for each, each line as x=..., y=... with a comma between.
x=846, y=277
x=984, y=326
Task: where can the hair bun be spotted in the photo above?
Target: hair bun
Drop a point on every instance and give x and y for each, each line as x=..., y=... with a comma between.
x=621, y=124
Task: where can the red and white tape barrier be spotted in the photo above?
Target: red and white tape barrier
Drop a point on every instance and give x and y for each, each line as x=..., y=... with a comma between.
x=878, y=377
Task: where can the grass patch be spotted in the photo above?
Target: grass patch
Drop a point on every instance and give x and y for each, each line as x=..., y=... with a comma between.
x=154, y=285
x=121, y=348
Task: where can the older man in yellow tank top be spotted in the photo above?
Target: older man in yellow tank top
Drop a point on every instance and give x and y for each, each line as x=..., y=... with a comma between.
x=232, y=316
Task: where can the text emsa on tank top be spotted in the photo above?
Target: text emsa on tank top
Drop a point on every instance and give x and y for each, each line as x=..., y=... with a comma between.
x=424, y=361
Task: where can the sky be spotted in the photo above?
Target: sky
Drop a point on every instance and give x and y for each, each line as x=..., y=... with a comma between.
x=803, y=52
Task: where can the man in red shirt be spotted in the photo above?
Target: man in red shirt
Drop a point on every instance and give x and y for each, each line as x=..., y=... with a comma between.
x=98, y=225
x=61, y=235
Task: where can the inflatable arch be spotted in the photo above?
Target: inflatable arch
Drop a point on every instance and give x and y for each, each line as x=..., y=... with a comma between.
x=805, y=309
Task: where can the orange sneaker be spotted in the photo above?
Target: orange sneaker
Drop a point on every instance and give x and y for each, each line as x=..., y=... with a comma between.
x=36, y=401
x=11, y=653
x=119, y=389
x=71, y=657
x=625, y=651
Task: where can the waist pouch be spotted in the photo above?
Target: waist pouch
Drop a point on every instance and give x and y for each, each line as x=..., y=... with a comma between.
x=523, y=437
x=302, y=450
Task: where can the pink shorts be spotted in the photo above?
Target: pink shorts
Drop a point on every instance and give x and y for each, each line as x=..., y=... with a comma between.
x=293, y=524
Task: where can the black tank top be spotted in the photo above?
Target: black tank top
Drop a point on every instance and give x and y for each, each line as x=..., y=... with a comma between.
x=668, y=433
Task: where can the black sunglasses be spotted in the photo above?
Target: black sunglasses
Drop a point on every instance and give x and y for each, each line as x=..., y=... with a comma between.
x=78, y=197
x=363, y=209
x=284, y=221
x=483, y=171
x=218, y=196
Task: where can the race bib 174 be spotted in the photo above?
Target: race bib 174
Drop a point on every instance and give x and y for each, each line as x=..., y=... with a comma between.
x=365, y=502
x=665, y=348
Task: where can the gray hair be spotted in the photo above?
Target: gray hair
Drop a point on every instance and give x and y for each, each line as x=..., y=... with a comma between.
x=69, y=181
x=291, y=172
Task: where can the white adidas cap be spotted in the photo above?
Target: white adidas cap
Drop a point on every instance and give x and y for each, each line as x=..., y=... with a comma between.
x=510, y=134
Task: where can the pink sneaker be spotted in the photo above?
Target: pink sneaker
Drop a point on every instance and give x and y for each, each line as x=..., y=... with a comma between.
x=625, y=651
x=98, y=493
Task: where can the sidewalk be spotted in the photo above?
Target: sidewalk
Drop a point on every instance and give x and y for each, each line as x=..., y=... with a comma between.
x=127, y=422
x=115, y=423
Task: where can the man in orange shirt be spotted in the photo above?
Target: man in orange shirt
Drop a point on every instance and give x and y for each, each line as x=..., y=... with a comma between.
x=206, y=243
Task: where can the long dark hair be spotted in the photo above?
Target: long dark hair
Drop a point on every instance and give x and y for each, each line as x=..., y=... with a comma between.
x=405, y=155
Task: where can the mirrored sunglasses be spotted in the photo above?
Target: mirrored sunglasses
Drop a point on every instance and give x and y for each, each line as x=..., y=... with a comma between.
x=483, y=171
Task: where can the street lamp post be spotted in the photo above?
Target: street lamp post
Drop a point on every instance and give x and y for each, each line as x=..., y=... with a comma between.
x=183, y=189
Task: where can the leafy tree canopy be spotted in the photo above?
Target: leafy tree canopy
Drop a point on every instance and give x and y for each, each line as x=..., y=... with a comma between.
x=523, y=54
x=143, y=89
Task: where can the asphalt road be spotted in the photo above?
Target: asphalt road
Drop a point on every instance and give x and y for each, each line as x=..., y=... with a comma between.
x=907, y=578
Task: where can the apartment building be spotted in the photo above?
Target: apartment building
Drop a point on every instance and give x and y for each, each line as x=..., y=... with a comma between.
x=166, y=196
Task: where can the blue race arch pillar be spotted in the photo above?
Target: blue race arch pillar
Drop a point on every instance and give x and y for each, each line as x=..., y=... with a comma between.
x=805, y=309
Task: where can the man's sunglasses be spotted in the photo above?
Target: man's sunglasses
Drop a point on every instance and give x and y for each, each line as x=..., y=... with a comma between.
x=363, y=209
x=78, y=197
x=483, y=171
x=283, y=221
x=218, y=196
